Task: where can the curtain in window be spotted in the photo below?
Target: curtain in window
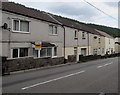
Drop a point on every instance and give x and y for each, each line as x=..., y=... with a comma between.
x=55, y=30
x=35, y=52
x=43, y=52
x=15, y=53
x=16, y=25
x=50, y=29
x=83, y=51
x=49, y=51
x=55, y=51
x=24, y=26
x=23, y=52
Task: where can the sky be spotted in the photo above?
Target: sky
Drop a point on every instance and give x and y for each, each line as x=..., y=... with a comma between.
x=79, y=10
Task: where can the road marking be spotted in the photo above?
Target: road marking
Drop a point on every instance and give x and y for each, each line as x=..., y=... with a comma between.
x=104, y=65
x=27, y=87
x=99, y=66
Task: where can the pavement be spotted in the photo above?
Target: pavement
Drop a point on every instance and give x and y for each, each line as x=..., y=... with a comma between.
x=100, y=76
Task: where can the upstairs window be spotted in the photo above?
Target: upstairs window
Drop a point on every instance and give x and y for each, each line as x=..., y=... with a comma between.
x=53, y=30
x=76, y=35
x=16, y=25
x=20, y=26
x=99, y=40
x=109, y=41
x=83, y=35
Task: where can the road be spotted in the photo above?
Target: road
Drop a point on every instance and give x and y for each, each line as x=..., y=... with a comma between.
x=90, y=77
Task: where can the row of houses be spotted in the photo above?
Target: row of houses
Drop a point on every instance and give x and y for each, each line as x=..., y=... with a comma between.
x=22, y=27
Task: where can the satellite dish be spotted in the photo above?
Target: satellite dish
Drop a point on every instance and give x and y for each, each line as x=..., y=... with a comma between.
x=5, y=26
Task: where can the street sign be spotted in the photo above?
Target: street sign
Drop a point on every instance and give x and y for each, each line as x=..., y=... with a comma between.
x=38, y=45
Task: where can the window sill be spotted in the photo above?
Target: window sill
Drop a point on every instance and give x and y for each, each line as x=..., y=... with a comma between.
x=83, y=38
x=54, y=56
x=22, y=32
x=76, y=38
x=53, y=34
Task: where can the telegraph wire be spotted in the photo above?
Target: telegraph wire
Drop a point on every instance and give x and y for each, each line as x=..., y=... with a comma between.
x=100, y=10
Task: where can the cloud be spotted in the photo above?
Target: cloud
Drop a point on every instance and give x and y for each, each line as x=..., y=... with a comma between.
x=112, y=4
x=73, y=9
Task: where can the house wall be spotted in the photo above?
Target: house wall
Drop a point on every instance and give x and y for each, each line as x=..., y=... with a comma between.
x=39, y=31
x=103, y=45
x=0, y=30
x=109, y=44
x=71, y=42
x=96, y=44
x=117, y=46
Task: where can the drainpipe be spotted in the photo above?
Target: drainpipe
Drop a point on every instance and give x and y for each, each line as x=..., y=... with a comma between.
x=64, y=43
x=88, y=43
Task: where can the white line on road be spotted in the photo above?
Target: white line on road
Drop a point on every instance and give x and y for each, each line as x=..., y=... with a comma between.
x=104, y=65
x=99, y=66
x=52, y=80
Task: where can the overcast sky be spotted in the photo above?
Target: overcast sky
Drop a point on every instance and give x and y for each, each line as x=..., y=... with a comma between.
x=79, y=10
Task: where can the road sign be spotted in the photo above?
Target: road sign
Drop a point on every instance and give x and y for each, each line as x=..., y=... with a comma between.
x=38, y=45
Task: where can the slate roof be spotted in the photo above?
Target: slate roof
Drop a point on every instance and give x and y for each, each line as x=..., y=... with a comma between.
x=44, y=16
x=104, y=34
x=25, y=11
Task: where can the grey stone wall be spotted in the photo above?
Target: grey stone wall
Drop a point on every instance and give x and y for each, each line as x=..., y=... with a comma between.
x=25, y=63
x=71, y=58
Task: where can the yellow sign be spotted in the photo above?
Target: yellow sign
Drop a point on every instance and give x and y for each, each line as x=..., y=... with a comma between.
x=38, y=45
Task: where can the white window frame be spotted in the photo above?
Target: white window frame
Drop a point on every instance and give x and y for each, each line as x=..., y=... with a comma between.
x=95, y=51
x=39, y=51
x=99, y=40
x=103, y=50
x=18, y=52
x=53, y=30
x=76, y=34
x=75, y=50
x=83, y=37
x=19, y=26
x=109, y=41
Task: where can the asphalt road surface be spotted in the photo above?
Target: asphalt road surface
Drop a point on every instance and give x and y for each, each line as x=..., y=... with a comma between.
x=90, y=77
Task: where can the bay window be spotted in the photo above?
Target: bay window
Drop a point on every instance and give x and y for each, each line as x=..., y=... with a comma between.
x=45, y=52
x=55, y=51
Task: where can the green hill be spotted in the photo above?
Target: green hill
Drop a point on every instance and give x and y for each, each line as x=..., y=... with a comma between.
x=115, y=32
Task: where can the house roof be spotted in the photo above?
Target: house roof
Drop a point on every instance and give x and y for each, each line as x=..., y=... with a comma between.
x=73, y=24
x=117, y=43
x=25, y=11
x=104, y=34
x=44, y=16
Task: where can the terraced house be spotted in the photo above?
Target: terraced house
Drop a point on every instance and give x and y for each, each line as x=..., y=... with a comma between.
x=23, y=27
